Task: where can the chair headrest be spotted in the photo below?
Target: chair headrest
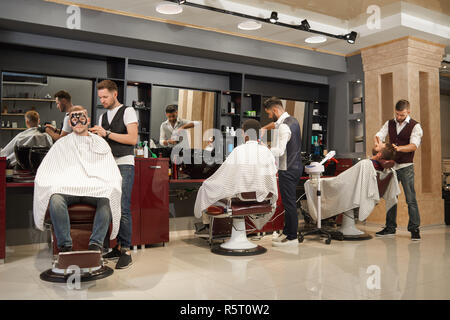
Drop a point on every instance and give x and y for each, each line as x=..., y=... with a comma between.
x=387, y=164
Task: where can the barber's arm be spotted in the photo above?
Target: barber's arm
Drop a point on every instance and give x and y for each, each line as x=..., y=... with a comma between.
x=381, y=135
x=414, y=141
x=284, y=135
x=130, y=138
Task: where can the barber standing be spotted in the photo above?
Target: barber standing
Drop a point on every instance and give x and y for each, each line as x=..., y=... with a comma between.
x=405, y=134
x=286, y=146
x=119, y=126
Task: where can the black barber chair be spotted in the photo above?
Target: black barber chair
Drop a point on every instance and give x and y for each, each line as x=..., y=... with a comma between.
x=90, y=263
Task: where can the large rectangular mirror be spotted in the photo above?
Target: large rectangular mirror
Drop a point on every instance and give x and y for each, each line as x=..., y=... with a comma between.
x=193, y=105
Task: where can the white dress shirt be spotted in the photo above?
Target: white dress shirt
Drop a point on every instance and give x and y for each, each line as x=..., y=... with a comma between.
x=416, y=136
x=166, y=130
x=280, y=138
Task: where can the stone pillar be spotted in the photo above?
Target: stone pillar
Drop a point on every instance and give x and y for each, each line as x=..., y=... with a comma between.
x=408, y=68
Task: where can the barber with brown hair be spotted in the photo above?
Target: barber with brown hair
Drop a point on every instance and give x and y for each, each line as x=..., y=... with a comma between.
x=405, y=134
x=119, y=126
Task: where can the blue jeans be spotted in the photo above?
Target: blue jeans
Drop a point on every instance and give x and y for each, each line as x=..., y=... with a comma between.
x=406, y=177
x=288, y=181
x=126, y=225
x=61, y=223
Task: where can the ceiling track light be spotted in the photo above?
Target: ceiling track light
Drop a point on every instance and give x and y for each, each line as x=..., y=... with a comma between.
x=273, y=19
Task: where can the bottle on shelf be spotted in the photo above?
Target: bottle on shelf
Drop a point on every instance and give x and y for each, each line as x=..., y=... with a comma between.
x=140, y=151
x=8, y=124
x=145, y=149
x=232, y=108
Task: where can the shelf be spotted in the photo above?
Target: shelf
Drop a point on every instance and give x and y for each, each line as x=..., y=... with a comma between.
x=25, y=83
x=13, y=114
x=28, y=99
x=14, y=128
x=230, y=115
x=143, y=109
x=143, y=132
x=229, y=92
x=253, y=117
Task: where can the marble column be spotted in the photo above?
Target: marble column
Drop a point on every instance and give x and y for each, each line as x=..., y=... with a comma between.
x=408, y=68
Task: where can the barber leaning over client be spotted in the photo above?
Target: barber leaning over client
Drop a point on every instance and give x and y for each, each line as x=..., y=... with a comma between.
x=286, y=146
x=119, y=126
x=405, y=134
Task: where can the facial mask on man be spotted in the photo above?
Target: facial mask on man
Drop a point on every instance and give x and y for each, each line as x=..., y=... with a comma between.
x=78, y=117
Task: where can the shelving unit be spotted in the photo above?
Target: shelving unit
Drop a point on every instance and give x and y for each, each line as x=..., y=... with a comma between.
x=356, y=125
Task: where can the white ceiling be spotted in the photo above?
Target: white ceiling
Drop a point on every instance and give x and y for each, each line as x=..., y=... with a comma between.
x=398, y=19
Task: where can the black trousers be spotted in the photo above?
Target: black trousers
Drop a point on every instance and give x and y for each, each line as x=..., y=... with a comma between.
x=288, y=181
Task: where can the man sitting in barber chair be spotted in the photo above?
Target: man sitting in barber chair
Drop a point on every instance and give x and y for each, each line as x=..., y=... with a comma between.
x=250, y=167
x=79, y=168
x=32, y=137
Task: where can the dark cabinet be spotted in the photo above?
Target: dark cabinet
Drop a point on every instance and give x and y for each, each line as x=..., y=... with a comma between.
x=150, y=202
x=154, y=200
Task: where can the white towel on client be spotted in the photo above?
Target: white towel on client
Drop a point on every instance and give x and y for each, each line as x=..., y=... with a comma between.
x=354, y=188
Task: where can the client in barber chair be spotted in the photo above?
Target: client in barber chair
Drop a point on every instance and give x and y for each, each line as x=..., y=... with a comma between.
x=250, y=167
x=79, y=168
x=357, y=187
x=31, y=137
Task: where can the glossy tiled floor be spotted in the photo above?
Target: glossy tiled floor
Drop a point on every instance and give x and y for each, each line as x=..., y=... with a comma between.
x=186, y=269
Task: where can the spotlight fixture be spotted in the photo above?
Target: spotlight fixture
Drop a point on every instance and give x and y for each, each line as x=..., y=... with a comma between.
x=305, y=25
x=181, y=1
x=351, y=37
x=273, y=17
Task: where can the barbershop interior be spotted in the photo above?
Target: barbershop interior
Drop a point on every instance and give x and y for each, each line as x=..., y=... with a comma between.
x=225, y=150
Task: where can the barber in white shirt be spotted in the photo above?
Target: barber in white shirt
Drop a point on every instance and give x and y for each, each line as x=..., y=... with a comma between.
x=405, y=134
x=286, y=146
x=170, y=130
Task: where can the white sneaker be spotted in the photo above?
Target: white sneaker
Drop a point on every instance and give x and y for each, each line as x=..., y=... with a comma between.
x=285, y=243
x=278, y=237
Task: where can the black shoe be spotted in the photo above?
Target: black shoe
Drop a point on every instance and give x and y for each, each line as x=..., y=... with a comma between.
x=124, y=261
x=65, y=249
x=95, y=247
x=203, y=231
x=112, y=255
x=386, y=232
x=415, y=235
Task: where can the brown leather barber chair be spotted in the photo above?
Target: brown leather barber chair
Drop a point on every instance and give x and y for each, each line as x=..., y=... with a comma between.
x=238, y=208
x=89, y=263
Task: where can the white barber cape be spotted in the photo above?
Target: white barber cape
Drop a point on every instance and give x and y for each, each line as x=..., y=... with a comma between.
x=78, y=166
x=31, y=138
x=250, y=167
x=356, y=187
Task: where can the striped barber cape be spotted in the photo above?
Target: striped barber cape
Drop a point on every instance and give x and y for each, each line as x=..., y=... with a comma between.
x=78, y=166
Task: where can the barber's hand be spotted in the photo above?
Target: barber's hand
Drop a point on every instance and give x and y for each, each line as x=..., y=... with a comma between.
x=397, y=148
x=262, y=132
x=51, y=127
x=170, y=141
x=98, y=130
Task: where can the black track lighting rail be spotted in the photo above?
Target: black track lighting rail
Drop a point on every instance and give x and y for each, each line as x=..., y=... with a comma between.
x=304, y=26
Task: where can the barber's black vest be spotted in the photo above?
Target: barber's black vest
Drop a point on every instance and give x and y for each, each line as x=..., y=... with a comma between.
x=117, y=126
x=294, y=146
